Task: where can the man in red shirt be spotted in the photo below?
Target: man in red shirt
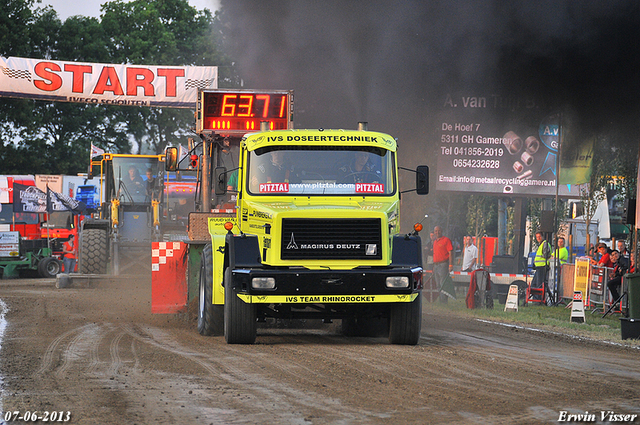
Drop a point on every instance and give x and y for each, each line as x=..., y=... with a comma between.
x=442, y=259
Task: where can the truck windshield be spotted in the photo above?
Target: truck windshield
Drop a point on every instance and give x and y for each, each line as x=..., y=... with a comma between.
x=134, y=178
x=321, y=170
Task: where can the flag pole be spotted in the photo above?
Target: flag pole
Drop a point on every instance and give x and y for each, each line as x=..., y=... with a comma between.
x=557, y=272
x=48, y=217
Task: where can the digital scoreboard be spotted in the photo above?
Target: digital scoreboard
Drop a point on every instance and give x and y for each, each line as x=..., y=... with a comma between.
x=236, y=112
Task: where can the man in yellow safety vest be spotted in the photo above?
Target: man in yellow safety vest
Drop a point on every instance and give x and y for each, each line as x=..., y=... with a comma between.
x=561, y=252
x=541, y=262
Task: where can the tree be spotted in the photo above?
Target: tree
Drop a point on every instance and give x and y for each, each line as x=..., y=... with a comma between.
x=166, y=32
x=46, y=137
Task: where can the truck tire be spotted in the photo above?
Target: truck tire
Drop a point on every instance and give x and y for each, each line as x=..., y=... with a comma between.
x=405, y=322
x=94, y=252
x=210, y=316
x=49, y=267
x=239, y=317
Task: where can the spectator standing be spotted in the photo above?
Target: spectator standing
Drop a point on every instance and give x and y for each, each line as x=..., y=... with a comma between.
x=442, y=259
x=69, y=256
x=541, y=263
x=470, y=257
x=428, y=251
x=561, y=252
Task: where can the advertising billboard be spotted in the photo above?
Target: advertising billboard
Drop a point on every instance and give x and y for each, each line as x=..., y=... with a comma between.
x=492, y=144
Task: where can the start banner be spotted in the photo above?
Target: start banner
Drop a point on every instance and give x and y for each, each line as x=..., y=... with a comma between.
x=108, y=84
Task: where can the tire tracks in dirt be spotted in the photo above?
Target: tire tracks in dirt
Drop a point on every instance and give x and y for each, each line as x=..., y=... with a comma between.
x=241, y=370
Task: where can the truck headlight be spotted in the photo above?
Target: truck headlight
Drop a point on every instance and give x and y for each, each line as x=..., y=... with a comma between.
x=397, y=282
x=263, y=283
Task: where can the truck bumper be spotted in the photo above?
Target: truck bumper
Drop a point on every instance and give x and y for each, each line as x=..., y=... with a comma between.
x=302, y=286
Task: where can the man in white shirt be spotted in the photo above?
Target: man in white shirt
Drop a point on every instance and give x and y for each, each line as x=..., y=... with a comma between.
x=470, y=258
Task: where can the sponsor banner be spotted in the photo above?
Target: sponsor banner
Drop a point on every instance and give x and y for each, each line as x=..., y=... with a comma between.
x=325, y=188
x=582, y=275
x=28, y=199
x=327, y=299
x=53, y=182
x=488, y=143
x=9, y=244
x=4, y=190
x=59, y=202
x=107, y=84
x=33, y=200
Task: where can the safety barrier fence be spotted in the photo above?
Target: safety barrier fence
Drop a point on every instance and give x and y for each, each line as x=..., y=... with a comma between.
x=578, y=276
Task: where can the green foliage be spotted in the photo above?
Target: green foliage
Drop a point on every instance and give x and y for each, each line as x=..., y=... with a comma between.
x=482, y=215
x=55, y=138
x=16, y=19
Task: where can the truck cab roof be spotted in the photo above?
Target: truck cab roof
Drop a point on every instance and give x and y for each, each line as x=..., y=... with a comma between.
x=320, y=137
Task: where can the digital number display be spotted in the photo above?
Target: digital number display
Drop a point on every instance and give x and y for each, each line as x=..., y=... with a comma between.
x=241, y=111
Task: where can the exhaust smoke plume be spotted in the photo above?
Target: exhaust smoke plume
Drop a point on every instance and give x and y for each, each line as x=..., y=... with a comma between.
x=393, y=63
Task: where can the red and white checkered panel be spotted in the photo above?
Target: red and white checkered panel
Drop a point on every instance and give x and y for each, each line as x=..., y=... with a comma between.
x=169, y=290
x=163, y=250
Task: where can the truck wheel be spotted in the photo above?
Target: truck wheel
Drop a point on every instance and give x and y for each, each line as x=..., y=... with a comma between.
x=49, y=267
x=405, y=322
x=94, y=252
x=210, y=316
x=239, y=317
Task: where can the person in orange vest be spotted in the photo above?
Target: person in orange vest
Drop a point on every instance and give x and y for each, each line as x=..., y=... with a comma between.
x=69, y=255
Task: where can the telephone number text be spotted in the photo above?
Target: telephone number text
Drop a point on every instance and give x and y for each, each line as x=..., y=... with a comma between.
x=476, y=163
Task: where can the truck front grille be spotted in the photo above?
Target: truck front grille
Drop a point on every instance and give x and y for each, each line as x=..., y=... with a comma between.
x=331, y=238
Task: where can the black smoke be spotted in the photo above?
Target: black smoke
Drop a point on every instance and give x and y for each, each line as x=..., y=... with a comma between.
x=393, y=63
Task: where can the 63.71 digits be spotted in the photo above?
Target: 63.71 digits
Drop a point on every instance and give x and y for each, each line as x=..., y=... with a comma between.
x=46, y=416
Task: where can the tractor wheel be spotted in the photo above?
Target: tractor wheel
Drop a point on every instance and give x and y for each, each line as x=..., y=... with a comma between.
x=239, y=317
x=405, y=322
x=210, y=316
x=94, y=252
x=49, y=267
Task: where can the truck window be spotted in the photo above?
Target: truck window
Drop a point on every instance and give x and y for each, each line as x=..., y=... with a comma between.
x=134, y=178
x=61, y=220
x=317, y=170
x=6, y=213
x=27, y=218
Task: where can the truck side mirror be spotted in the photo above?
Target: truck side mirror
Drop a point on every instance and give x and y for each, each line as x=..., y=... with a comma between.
x=171, y=159
x=220, y=182
x=422, y=180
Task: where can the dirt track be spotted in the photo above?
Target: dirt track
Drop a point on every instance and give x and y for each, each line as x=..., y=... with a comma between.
x=99, y=354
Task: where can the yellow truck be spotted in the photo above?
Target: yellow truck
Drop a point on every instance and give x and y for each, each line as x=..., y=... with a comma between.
x=315, y=236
